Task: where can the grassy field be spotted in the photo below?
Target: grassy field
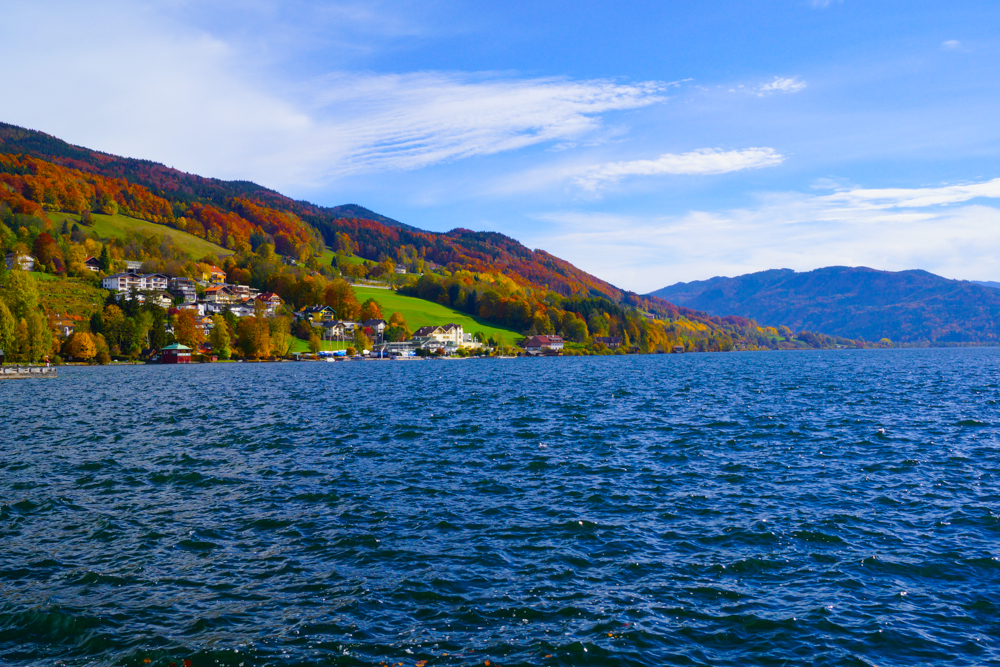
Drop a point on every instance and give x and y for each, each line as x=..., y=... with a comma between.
x=117, y=226
x=419, y=312
x=69, y=296
x=326, y=257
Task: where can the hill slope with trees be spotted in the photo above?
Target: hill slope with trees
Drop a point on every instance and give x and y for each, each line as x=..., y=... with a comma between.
x=858, y=302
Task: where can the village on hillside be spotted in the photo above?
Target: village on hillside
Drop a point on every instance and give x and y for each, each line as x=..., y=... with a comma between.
x=207, y=302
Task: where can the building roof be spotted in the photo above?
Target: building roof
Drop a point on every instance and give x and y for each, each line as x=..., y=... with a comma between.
x=215, y=269
x=424, y=331
x=176, y=347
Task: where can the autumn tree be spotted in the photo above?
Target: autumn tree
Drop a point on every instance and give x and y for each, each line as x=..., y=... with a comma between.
x=280, y=329
x=187, y=330
x=397, y=329
x=370, y=310
x=8, y=329
x=80, y=345
x=254, y=337
x=339, y=295
x=219, y=337
x=21, y=294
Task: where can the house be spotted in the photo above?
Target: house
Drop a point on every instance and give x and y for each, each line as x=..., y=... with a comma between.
x=271, y=301
x=245, y=308
x=377, y=326
x=611, y=342
x=20, y=261
x=133, y=266
x=241, y=291
x=175, y=354
x=183, y=288
x=220, y=295
x=121, y=282
x=543, y=345
x=93, y=264
x=449, y=333
x=400, y=270
x=213, y=274
x=317, y=314
x=135, y=282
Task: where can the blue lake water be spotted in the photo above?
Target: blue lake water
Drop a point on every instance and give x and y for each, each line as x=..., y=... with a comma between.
x=823, y=508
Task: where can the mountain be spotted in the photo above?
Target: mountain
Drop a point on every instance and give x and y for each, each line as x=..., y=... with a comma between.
x=904, y=306
x=484, y=274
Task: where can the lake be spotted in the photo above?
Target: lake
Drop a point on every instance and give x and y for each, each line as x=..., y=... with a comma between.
x=823, y=508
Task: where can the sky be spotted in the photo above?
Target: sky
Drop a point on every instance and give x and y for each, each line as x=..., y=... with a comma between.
x=646, y=142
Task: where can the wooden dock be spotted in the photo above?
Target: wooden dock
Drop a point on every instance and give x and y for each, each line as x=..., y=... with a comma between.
x=21, y=372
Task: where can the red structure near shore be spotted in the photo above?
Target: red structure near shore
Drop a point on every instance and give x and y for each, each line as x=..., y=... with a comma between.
x=175, y=354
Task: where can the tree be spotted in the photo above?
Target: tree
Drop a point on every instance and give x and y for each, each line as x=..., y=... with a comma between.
x=314, y=343
x=21, y=294
x=103, y=353
x=39, y=336
x=361, y=341
x=219, y=337
x=280, y=330
x=8, y=329
x=80, y=345
x=104, y=261
x=45, y=248
x=187, y=330
x=253, y=337
x=339, y=295
x=113, y=326
x=370, y=310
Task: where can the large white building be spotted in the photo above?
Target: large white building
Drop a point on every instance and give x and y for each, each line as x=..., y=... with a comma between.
x=135, y=282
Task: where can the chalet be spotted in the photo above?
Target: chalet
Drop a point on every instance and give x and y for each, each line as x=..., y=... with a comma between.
x=317, y=314
x=611, y=342
x=271, y=301
x=401, y=270
x=20, y=261
x=175, y=354
x=93, y=264
x=543, y=345
x=213, y=274
x=220, y=295
x=133, y=266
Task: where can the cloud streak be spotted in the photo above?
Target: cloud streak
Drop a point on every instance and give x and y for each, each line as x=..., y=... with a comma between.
x=781, y=85
x=409, y=121
x=936, y=229
x=704, y=161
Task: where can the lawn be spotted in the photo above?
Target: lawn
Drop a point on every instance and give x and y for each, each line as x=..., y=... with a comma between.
x=419, y=312
x=117, y=226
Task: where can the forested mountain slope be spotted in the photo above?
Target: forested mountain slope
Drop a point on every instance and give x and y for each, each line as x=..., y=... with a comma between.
x=858, y=302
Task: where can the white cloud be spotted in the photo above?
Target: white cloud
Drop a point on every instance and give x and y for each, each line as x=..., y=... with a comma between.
x=951, y=45
x=409, y=121
x=143, y=84
x=883, y=229
x=781, y=85
x=702, y=162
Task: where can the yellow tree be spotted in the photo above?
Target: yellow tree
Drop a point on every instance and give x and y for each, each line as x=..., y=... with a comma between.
x=187, y=330
x=81, y=345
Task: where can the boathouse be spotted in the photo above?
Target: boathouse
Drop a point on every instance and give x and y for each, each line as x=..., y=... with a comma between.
x=175, y=354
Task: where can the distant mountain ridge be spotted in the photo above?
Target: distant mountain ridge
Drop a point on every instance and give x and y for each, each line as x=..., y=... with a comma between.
x=855, y=302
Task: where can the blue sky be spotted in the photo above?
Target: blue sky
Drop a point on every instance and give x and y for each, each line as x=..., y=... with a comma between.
x=648, y=143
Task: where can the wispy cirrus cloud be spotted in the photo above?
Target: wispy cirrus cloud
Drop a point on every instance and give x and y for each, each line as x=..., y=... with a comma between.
x=408, y=121
x=704, y=161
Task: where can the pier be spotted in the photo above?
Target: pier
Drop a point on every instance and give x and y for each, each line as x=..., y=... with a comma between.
x=21, y=372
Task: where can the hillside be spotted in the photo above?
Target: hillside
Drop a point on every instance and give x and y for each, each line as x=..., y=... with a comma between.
x=118, y=226
x=419, y=312
x=303, y=252
x=904, y=306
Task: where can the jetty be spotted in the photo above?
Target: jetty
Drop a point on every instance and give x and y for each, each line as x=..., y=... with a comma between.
x=21, y=372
